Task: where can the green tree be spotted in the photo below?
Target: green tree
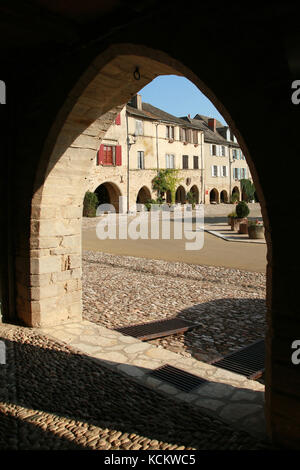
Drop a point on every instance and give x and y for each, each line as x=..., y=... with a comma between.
x=248, y=188
x=167, y=180
x=191, y=198
x=90, y=204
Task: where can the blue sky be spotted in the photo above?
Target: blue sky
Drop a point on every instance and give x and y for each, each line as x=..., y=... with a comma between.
x=178, y=96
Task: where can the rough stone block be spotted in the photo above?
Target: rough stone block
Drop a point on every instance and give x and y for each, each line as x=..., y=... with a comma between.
x=46, y=264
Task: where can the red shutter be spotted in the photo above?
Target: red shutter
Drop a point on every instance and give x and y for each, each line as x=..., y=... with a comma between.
x=100, y=155
x=118, y=155
x=118, y=120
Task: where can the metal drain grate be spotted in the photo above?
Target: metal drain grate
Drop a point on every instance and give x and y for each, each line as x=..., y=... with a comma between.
x=157, y=329
x=180, y=379
x=248, y=361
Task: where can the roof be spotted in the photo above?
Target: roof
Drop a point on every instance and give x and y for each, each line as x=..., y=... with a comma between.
x=206, y=118
x=199, y=122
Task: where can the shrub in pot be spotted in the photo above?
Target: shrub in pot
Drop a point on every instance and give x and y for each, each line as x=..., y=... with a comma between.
x=242, y=211
x=232, y=214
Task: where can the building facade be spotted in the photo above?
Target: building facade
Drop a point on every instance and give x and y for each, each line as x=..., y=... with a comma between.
x=144, y=139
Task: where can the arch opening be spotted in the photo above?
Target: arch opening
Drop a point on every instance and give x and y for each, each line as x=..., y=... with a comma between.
x=108, y=193
x=143, y=196
x=224, y=196
x=214, y=196
x=195, y=192
x=180, y=195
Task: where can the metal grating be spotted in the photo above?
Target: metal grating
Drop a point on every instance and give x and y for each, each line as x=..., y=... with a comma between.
x=248, y=361
x=157, y=329
x=180, y=379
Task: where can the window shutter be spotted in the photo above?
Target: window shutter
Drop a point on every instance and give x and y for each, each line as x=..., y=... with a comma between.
x=118, y=155
x=118, y=120
x=212, y=170
x=100, y=155
x=211, y=149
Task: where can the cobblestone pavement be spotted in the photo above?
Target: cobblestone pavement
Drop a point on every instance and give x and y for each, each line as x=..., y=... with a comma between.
x=228, y=304
x=52, y=397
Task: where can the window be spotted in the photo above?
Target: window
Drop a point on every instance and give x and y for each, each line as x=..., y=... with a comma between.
x=213, y=150
x=236, y=173
x=196, y=162
x=138, y=127
x=185, y=161
x=195, y=137
x=140, y=160
x=223, y=151
x=214, y=170
x=109, y=155
x=224, y=170
x=170, y=132
x=243, y=173
x=170, y=161
x=183, y=135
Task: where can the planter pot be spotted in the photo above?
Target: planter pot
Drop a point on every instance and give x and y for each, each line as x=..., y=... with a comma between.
x=256, y=231
x=243, y=228
x=235, y=223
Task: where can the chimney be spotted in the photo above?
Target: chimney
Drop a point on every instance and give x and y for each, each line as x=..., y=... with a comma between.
x=136, y=102
x=212, y=124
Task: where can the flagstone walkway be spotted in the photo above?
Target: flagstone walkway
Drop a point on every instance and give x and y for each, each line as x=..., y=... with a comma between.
x=228, y=396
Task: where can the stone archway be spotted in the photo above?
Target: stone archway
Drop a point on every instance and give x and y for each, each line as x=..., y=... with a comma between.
x=236, y=193
x=55, y=258
x=214, y=196
x=180, y=196
x=223, y=196
x=109, y=193
x=143, y=195
x=195, y=191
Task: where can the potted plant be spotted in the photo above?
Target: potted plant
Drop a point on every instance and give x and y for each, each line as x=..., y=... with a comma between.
x=255, y=229
x=230, y=216
x=242, y=211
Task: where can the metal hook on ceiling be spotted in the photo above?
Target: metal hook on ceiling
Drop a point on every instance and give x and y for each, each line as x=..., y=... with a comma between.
x=137, y=74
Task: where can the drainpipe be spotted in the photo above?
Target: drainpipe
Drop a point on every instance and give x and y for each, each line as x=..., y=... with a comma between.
x=202, y=172
x=157, y=158
x=128, y=149
x=230, y=171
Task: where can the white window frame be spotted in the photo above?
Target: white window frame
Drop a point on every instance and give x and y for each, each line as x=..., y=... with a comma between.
x=224, y=173
x=213, y=167
x=170, y=160
x=139, y=127
x=170, y=132
x=140, y=160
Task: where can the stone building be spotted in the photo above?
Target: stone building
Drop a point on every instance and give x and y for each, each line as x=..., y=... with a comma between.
x=144, y=139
